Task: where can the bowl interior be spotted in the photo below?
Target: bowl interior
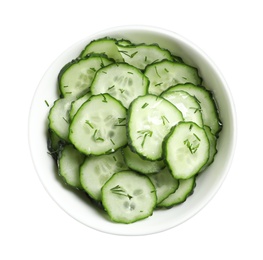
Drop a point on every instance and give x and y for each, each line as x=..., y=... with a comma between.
x=76, y=204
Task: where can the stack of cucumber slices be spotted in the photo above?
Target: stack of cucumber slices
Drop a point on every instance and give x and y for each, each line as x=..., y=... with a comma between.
x=132, y=128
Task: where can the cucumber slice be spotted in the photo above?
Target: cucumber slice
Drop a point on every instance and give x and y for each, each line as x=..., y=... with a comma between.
x=165, y=184
x=99, y=126
x=75, y=77
x=208, y=106
x=167, y=73
x=143, y=54
x=69, y=163
x=59, y=117
x=213, y=147
x=185, y=189
x=96, y=170
x=186, y=103
x=128, y=197
x=136, y=163
x=106, y=46
x=186, y=150
x=150, y=119
x=122, y=81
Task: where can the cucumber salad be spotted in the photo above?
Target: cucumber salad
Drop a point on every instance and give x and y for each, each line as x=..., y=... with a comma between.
x=132, y=128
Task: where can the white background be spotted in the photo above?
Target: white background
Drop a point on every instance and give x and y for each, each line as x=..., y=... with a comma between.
x=34, y=33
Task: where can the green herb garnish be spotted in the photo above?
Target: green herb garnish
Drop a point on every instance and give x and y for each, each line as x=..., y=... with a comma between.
x=195, y=109
x=196, y=137
x=145, y=105
x=164, y=118
x=191, y=146
x=88, y=123
x=120, y=120
x=104, y=99
x=96, y=137
x=65, y=120
x=111, y=87
x=157, y=72
x=93, y=69
x=120, y=191
x=129, y=55
x=144, y=135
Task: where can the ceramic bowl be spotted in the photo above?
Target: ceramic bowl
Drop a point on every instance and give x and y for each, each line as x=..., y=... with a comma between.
x=76, y=204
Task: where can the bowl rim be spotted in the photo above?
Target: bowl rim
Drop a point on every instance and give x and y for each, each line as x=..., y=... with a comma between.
x=112, y=228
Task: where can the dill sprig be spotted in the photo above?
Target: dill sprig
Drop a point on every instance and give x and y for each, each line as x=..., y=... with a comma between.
x=129, y=55
x=104, y=99
x=120, y=121
x=158, y=84
x=96, y=137
x=144, y=135
x=195, y=109
x=164, y=119
x=157, y=72
x=196, y=136
x=193, y=147
x=145, y=105
x=47, y=103
x=111, y=87
x=65, y=120
x=88, y=123
x=93, y=69
x=120, y=191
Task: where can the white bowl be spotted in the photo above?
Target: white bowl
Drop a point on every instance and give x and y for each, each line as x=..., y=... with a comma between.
x=76, y=204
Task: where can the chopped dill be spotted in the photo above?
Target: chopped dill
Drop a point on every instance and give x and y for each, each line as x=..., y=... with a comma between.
x=88, y=123
x=144, y=134
x=145, y=105
x=164, y=119
x=120, y=191
x=157, y=72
